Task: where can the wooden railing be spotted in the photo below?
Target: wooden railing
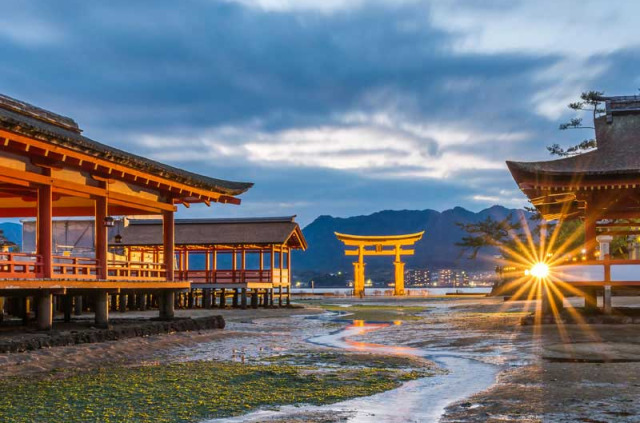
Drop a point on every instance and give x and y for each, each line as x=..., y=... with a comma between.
x=131, y=270
x=599, y=272
x=231, y=276
x=75, y=267
x=20, y=265
x=29, y=266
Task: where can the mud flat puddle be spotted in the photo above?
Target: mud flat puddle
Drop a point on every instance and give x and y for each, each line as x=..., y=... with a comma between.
x=420, y=400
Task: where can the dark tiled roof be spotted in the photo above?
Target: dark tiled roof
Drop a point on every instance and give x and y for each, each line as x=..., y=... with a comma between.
x=28, y=120
x=261, y=231
x=618, y=152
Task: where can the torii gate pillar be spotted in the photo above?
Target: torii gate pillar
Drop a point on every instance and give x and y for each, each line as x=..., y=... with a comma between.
x=358, y=279
x=399, y=288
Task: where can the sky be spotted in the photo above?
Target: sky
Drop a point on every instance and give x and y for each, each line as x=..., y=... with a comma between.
x=331, y=107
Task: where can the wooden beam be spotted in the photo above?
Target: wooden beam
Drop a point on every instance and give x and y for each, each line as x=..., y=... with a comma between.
x=379, y=253
x=71, y=188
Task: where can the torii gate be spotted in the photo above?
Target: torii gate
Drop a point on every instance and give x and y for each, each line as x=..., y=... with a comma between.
x=380, y=246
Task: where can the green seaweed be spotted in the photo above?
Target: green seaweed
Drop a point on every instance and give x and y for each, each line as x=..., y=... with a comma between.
x=183, y=392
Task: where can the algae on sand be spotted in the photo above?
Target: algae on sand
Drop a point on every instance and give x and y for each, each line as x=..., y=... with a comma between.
x=184, y=392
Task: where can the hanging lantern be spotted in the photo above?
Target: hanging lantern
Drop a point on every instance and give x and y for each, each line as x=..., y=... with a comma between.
x=109, y=222
x=118, y=239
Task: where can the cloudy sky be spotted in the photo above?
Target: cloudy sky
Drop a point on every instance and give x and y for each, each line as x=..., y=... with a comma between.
x=338, y=107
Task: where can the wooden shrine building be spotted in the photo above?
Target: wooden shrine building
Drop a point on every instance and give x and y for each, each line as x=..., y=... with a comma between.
x=220, y=257
x=602, y=188
x=49, y=169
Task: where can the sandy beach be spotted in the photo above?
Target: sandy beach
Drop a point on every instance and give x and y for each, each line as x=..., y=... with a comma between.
x=484, y=366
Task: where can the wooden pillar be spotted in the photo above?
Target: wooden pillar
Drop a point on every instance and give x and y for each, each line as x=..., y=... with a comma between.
x=272, y=262
x=168, y=229
x=207, y=268
x=101, y=309
x=67, y=306
x=265, y=299
x=590, y=299
x=214, y=258
x=167, y=305
x=206, y=297
x=102, y=246
x=254, y=298
x=122, y=303
x=44, y=235
x=270, y=297
x=280, y=264
x=261, y=265
x=288, y=303
x=142, y=302
x=25, y=309
x=289, y=266
x=132, y=303
x=235, y=298
x=243, y=298
x=280, y=296
x=607, y=307
x=223, y=298
x=45, y=311
x=77, y=306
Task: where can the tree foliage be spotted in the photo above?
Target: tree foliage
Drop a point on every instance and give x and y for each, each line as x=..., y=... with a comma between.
x=503, y=234
x=589, y=102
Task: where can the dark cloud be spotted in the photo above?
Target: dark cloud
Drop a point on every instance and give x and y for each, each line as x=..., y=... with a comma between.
x=125, y=69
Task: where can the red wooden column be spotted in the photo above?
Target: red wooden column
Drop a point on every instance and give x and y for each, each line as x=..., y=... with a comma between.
x=243, y=265
x=102, y=243
x=234, y=264
x=289, y=266
x=281, y=263
x=272, y=262
x=168, y=231
x=167, y=306
x=44, y=235
x=44, y=247
x=214, y=257
x=261, y=265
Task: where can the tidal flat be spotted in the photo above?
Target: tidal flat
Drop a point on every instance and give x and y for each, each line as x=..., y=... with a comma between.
x=405, y=360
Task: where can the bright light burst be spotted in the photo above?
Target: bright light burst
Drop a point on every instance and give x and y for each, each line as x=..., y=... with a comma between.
x=541, y=257
x=539, y=270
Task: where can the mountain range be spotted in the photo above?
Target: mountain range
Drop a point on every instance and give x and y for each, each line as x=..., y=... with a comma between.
x=12, y=231
x=436, y=250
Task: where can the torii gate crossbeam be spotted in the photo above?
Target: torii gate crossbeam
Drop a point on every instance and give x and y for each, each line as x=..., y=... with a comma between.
x=390, y=245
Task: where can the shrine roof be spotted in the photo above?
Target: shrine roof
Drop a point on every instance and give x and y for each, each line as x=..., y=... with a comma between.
x=617, y=153
x=224, y=231
x=31, y=121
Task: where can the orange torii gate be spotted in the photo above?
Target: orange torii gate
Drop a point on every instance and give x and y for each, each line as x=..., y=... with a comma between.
x=386, y=245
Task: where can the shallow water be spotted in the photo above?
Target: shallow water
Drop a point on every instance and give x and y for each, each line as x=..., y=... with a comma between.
x=421, y=400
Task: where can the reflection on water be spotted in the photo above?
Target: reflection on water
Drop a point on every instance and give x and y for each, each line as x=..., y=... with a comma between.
x=421, y=400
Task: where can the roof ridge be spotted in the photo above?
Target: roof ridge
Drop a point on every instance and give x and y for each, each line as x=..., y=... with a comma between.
x=27, y=109
x=267, y=219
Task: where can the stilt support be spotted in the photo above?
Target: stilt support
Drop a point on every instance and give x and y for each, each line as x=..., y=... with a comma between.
x=45, y=311
x=101, y=309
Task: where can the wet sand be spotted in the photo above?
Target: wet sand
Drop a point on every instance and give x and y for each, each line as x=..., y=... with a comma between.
x=495, y=369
